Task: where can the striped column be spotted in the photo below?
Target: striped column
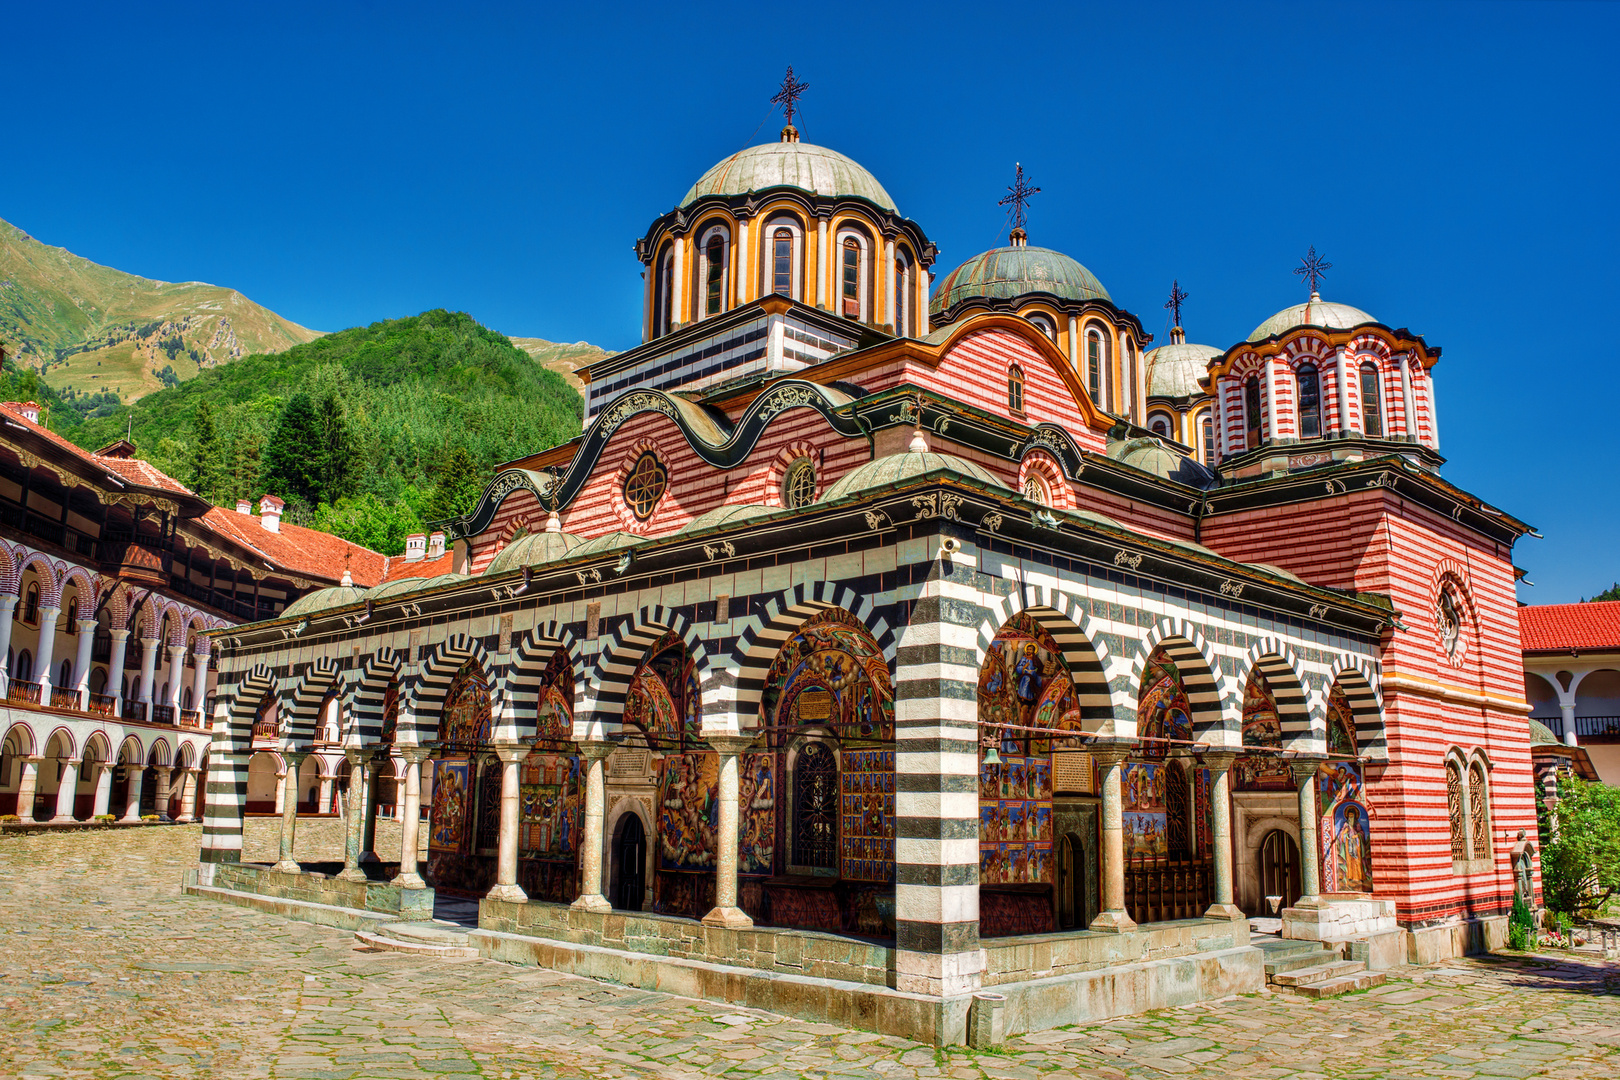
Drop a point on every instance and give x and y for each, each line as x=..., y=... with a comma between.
x=227, y=794
x=937, y=796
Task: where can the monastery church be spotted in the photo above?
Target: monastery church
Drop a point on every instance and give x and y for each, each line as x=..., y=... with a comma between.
x=920, y=649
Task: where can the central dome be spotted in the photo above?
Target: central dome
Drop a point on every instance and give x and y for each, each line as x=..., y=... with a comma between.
x=793, y=165
x=1315, y=312
x=1006, y=273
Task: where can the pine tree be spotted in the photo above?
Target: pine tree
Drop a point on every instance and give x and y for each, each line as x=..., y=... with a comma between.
x=205, y=467
x=460, y=483
x=293, y=457
x=335, y=464
x=245, y=466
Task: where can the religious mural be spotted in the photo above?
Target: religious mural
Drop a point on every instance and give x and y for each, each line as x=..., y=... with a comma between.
x=687, y=825
x=447, y=817
x=465, y=805
x=1162, y=711
x=1342, y=818
x=554, y=707
x=465, y=722
x=390, y=723
x=756, y=808
x=1262, y=726
x=867, y=852
x=1025, y=683
x=830, y=673
x=1153, y=828
x=663, y=699
x=1015, y=820
x=1145, y=819
x=551, y=818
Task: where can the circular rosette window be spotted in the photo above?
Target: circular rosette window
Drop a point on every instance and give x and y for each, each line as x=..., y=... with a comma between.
x=645, y=485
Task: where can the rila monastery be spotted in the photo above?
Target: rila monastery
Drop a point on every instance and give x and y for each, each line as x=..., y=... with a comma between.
x=911, y=647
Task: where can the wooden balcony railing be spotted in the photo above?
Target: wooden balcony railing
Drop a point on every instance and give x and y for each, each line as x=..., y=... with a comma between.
x=1159, y=890
x=1597, y=725
x=163, y=714
x=134, y=710
x=102, y=704
x=191, y=718
x=264, y=729
x=22, y=692
x=64, y=699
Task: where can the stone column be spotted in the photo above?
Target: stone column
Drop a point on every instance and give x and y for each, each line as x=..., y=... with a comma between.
x=281, y=789
x=67, y=790
x=1113, y=917
x=1567, y=708
x=368, y=819
x=356, y=809
x=1220, y=819
x=115, y=669
x=177, y=669
x=135, y=776
x=506, y=886
x=199, y=685
x=324, y=797
x=46, y=653
x=160, y=797
x=8, y=603
x=590, y=860
x=289, y=814
x=27, y=785
x=726, y=912
x=1310, y=843
x=188, y=796
x=410, y=821
x=81, y=661
x=104, y=777
x=149, y=648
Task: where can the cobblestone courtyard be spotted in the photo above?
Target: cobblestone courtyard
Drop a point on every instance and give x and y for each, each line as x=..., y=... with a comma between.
x=107, y=971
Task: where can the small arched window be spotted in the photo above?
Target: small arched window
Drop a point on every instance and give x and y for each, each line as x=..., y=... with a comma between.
x=1310, y=401
x=1015, y=389
x=31, y=603
x=1045, y=325
x=1251, y=412
x=1478, y=812
x=1096, y=359
x=25, y=666
x=1454, y=808
x=782, y=261
x=1035, y=490
x=815, y=807
x=799, y=484
x=852, y=278
x=902, y=294
x=1159, y=424
x=64, y=675
x=714, y=273
x=72, y=626
x=1372, y=408
x=1206, y=428
x=663, y=292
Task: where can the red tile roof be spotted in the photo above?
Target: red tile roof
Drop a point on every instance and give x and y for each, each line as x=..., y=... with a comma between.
x=1556, y=627
x=398, y=568
x=131, y=469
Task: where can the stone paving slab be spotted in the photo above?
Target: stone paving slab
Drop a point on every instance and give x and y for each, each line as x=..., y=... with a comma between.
x=107, y=970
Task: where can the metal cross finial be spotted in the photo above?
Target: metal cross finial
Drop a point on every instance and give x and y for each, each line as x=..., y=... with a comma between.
x=1018, y=195
x=792, y=90
x=1313, y=268
x=1176, y=297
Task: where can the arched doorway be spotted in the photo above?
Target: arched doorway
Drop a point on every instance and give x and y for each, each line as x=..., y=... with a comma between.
x=455, y=818
x=1279, y=871
x=629, y=864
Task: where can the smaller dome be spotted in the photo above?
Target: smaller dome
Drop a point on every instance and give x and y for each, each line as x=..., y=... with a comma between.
x=1151, y=455
x=612, y=541
x=532, y=550
x=411, y=584
x=1314, y=312
x=1006, y=273
x=321, y=599
x=722, y=514
x=1173, y=370
x=904, y=466
x=1542, y=735
x=790, y=164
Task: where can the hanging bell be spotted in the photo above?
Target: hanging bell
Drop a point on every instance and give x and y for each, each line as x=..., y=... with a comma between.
x=992, y=756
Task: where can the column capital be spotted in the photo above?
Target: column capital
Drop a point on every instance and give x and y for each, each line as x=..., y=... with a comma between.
x=150, y=642
x=86, y=626
x=510, y=752
x=1218, y=760
x=177, y=651
x=414, y=753
x=116, y=635
x=357, y=755
x=1304, y=767
x=33, y=759
x=729, y=744
x=592, y=750
x=8, y=601
x=1111, y=752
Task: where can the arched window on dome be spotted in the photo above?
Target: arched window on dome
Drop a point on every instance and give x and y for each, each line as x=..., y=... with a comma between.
x=1047, y=326
x=1372, y=403
x=712, y=269
x=902, y=293
x=1206, y=434
x=782, y=261
x=1309, y=386
x=663, y=291
x=1159, y=424
x=853, y=275
x=1015, y=389
x=1035, y=490
x=1096, y=361
x=1251, y=412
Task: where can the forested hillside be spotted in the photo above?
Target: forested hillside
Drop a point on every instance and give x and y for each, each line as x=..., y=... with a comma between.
x=368, y=432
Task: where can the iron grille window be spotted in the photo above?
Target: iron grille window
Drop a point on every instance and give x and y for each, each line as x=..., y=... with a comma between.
x=782, y=262
x=1310, y=402
x=1372, y=412
x=716, y=256
x=1034, y=490
x=815, y=807
x=1477, y=812
x=1251, y=411
x=1175, y=809
x=1454, y=805
x=852, y=278
x=645, y=486
x=489, y=805
x=799, y=486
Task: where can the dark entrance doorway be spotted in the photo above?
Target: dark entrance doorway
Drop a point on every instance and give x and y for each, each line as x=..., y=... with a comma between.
x=629, y=865
x=1279, y=870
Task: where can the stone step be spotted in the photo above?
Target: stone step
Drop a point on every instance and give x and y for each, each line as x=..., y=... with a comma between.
x=1298, y=961
x=1348, y=984
x=1320, y=973
x=418, y=948
x=428, y=933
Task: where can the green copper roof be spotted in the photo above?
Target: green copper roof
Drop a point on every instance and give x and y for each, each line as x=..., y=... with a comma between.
x=321, y=599
x=401, y=586
x=712, y=519
x=1542, y=735
x=897, y=467
x=533, y=550
x=1006, y=273
x=790, y=164
x=1314, y=312
x=1174, y=370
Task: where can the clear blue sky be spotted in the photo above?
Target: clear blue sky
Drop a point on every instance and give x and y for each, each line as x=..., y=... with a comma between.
x=1457, y=164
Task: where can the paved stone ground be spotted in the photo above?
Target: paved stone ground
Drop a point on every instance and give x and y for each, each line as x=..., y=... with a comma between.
x=107, y=971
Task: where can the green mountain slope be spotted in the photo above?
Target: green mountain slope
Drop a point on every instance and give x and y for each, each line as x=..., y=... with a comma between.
x=562, y=357
x=413, y=397
x=94, y=329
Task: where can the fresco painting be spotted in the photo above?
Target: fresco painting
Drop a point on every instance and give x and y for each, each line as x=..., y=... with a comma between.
x=465, y=721
x=831, y=673
x=1262, y=727
x=866, y=841
x=1163, y=711
x=688, y=811
x=448, y=816
x=554, y=715
x=663, y=698
x=1025, y=683
x=551, y=810
x=756, y=840
x=1015, y=821
x=1346, y=840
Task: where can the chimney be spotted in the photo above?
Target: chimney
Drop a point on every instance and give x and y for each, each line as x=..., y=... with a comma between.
x=270, y=509
x=436, y=545
x=30, y=411
x=244, y=506
x=415, y=547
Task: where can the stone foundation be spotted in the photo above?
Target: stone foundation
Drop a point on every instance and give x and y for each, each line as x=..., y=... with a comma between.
x=319, y=888
x=1460, y=938
x=1337, y=918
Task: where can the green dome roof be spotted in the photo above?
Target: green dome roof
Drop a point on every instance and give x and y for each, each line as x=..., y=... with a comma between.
x=612, y=541
x=897, y=467
x=411, y=584
x=1542, y=735
x=790, y=164
x=1174, y=370
x=321, y=599
x=722, y=514
x=1149, y=454
x=1314, y=312
x=532, y=550
x=1006, y=273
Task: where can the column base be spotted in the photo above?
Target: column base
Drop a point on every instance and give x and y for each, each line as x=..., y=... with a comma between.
x=410, y=879
x=508, y=894
x=731, y=918
x=1225, y=912
x=352, y=873
x=183, y=819
x=369, y=856
x=596, y=902
x=288, y=866
x=61, y=819
x=1112, y=922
